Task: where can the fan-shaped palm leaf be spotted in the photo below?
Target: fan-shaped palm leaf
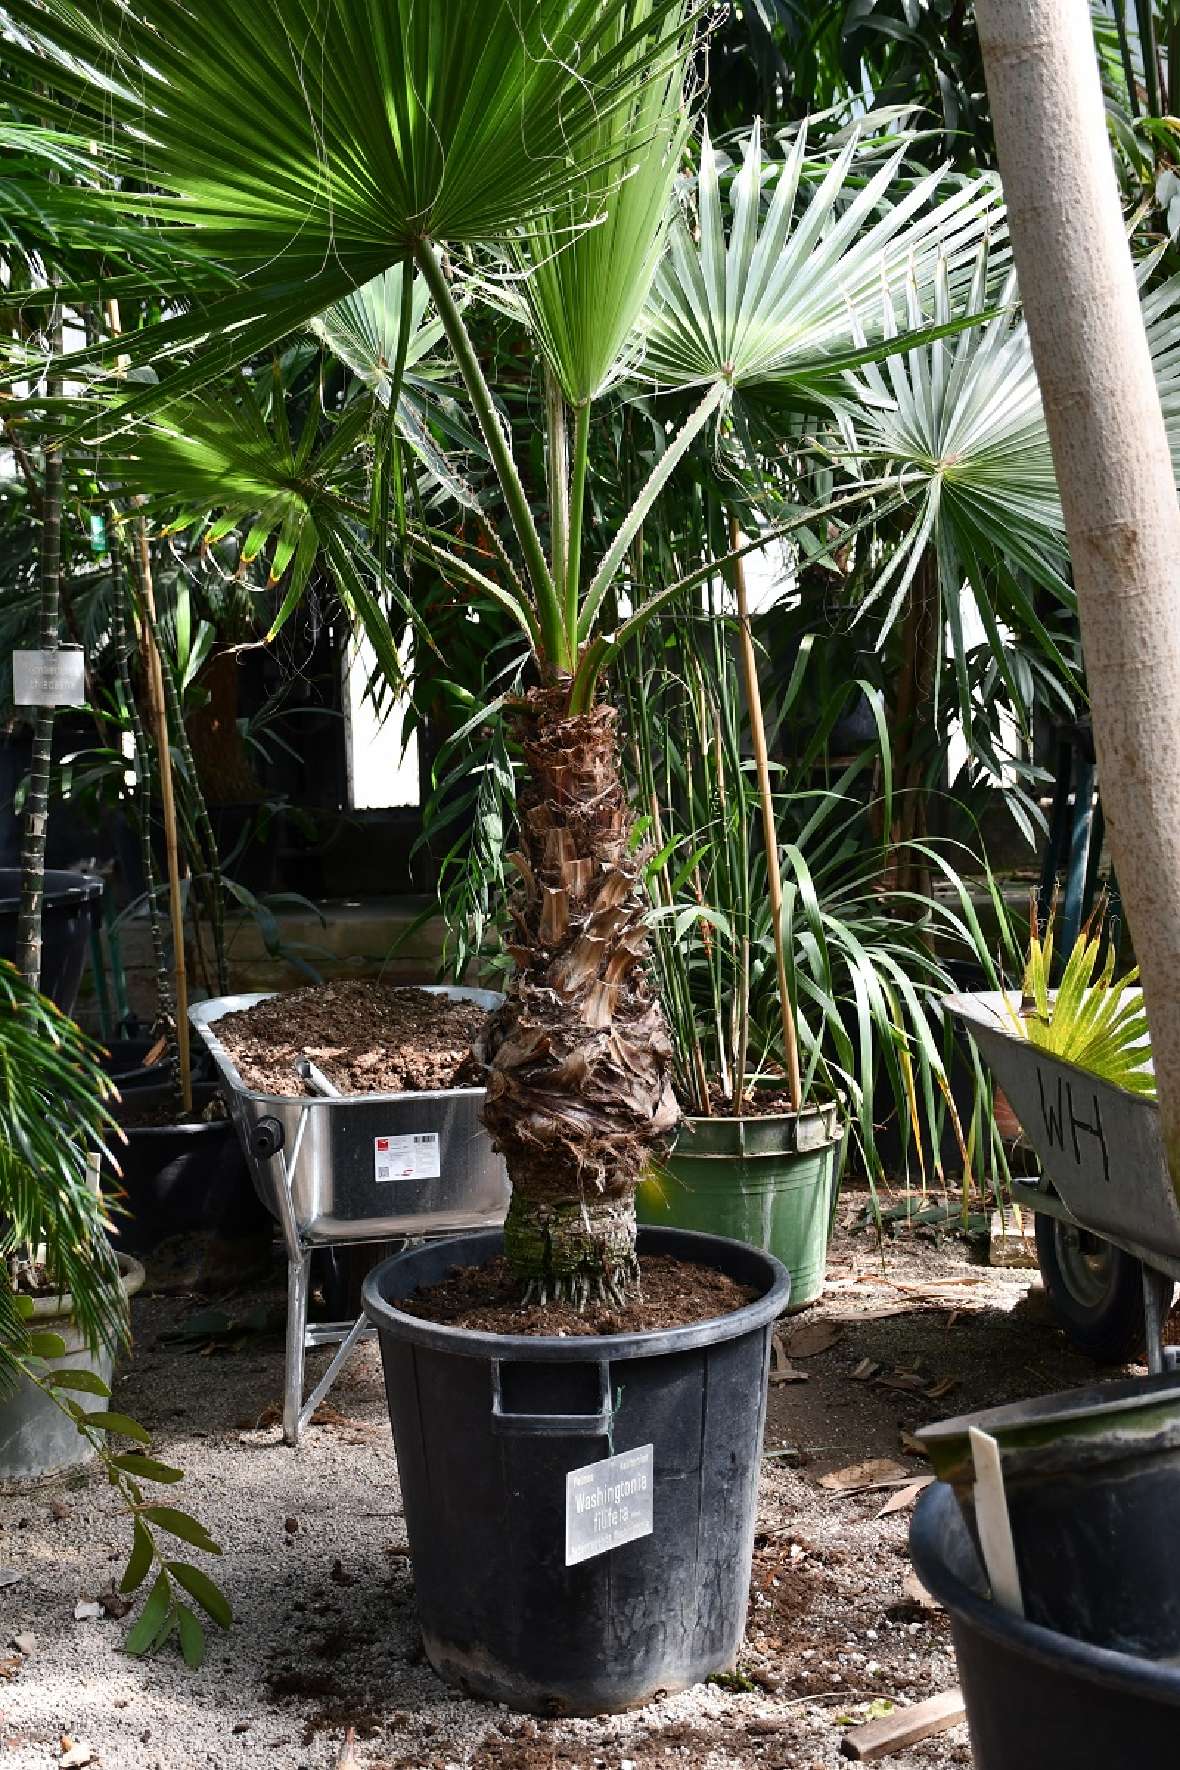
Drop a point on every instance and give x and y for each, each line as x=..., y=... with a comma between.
x=779, y=299
x=583, y=285
x=304, y=149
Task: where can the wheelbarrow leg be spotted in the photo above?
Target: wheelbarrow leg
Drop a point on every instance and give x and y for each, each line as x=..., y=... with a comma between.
x=1157, y=1297
x=298, y=1289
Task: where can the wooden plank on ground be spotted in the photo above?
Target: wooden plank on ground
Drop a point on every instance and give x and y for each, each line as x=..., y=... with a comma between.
x=892, y=1733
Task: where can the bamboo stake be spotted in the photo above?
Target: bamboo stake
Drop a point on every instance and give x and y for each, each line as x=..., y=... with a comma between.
x=159, y=712
x=749, y=666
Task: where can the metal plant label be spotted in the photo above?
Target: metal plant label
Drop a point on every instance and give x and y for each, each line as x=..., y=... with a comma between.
x=49, y=678
x=414, y=1157
x=608, y=1504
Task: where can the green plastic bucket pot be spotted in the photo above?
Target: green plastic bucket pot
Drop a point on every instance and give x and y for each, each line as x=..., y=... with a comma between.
x=769, y=1181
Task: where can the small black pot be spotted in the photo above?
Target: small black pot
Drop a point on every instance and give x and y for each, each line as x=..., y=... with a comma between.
x=184, y=1179
x=489, y=1428
x=1036, y=1699
x=69, y=913
x=1092, y=1481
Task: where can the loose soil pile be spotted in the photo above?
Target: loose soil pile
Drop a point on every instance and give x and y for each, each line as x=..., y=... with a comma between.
x=674, y=1293
x=366, y=1037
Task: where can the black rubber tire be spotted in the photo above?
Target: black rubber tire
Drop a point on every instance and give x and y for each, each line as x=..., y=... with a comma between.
x=1107, y=1321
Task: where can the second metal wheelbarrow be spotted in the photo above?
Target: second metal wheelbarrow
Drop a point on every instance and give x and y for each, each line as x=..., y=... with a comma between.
x=1107, y=1219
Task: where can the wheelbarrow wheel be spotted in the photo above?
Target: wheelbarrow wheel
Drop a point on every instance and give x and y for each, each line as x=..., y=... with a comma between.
x=1095, y=1290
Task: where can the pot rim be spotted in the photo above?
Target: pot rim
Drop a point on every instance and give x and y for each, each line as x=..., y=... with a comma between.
x=61, y=1308
x=583, y=1348
x=814, y=1109
x=1043, y=1418
x=1099, y=1665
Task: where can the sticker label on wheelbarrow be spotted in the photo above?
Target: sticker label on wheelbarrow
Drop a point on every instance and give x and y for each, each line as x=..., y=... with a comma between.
x=608, y=1504
x=406, y=1158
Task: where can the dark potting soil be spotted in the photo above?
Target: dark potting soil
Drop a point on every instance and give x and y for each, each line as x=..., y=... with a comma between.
x=366, y=1037
x=757, y=1103
x=673, y=1293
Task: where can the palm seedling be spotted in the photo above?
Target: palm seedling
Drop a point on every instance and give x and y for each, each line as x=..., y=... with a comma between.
x=1090, y=1019
x=548, y=137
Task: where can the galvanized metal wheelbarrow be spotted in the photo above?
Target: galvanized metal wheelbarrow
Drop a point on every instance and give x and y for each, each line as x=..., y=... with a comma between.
x=343, y=1169
x=1107, y=1220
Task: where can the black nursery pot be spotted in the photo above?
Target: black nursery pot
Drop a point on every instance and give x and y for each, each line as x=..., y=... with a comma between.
x=1037, y=1699
x=183, y=1179
x=488, y=1429
x=69, y=912
x=1092, y=1483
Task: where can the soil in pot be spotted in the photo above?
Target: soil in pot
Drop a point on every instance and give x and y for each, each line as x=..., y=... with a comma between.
x=366, y=1037
x=525, y=1595
x=673, y=1293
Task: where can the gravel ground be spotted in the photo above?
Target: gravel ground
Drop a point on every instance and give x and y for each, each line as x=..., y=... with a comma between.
x=316, y=1566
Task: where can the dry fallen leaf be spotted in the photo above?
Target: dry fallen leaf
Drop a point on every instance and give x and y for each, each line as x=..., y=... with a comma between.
x=909, y=1382
x=865, y=1369
x=873, y=1472
x=75, y=1753
x=114, y=1602
x=26, y=1643
x=916, y=1592
x=909, y=1443
x=943, y=1387
x=348, y=1759
x=788, y=1373
x=812, y=1338
x=85, y=1610
x=10, y=1665
x=903, y=1500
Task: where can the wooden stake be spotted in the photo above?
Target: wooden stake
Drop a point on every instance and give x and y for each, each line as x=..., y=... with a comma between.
x=892, y=1733
x=159, y=710
x=749, y=665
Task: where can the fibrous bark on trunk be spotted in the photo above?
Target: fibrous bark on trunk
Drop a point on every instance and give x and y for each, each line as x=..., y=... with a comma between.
x=579, y=1091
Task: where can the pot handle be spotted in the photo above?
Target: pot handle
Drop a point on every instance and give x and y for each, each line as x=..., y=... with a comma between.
x=597, y=1425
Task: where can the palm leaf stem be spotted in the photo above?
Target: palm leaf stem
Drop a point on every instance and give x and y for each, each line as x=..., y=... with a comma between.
x=555, y=649
x=578, y=467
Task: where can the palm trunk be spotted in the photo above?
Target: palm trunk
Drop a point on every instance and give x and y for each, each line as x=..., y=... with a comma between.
x=579, y=1092
x=32, y=858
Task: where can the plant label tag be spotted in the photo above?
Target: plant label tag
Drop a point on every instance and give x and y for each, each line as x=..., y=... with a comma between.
x=49, y=678
x=406, y=1158
x=608, y=1504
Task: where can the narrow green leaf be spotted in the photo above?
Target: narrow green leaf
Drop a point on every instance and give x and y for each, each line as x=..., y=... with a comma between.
x=207, y=1594
x=154, y=1617
x=85, y=1382
x=133, y=1462
x=183, y=1525
x=192, y=1637
x=120, y=1423
x=139, y=1561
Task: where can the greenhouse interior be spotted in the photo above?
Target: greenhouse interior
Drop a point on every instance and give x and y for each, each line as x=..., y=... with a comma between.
x=589, y=998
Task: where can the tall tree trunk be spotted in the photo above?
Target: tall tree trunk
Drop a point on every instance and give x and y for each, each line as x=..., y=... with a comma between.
x=1113, y=465
x=579, y=1092
x=32, y=857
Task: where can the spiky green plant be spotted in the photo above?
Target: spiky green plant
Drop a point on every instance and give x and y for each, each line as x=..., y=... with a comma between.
x=1091, y=1019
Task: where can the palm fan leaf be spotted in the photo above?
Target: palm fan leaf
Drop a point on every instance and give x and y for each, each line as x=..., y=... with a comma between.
x=583, y=284
x=374, y=124
x=779, y=299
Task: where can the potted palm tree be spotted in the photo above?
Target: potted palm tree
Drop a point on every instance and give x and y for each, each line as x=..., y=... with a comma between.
x=543, y=143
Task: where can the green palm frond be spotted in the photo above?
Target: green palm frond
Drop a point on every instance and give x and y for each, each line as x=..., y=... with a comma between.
x=228, y=460
x=302, y=151
x=53, y=1110
x=1090, y=1020
x=583, y=285
x=780, y=297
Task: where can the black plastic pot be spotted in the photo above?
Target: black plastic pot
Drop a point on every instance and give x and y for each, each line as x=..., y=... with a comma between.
x=487, y=1427
x=69, y=912
x=184, y=1180
x=1092, y=1482
x=1036, y=1699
